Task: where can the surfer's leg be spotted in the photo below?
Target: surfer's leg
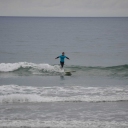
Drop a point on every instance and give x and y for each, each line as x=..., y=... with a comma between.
x=62, y=64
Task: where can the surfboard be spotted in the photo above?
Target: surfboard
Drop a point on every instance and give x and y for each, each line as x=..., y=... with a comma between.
x=68, y=73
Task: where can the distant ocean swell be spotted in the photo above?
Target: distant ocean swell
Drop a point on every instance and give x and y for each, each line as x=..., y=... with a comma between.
x=21, y=94
x=25, y=68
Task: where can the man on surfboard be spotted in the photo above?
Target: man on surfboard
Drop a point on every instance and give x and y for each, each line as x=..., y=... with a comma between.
x=62, y=57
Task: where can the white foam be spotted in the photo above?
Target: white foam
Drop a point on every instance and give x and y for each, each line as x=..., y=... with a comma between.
x=20, y=98
x=15, y=93
x=8, y=67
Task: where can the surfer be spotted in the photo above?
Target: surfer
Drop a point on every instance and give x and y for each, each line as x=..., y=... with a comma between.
x=62, y=57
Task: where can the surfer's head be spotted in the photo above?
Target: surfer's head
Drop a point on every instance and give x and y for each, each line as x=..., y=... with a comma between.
x=62, y=53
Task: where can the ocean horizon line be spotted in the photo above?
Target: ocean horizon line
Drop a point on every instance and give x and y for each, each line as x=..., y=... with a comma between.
x=67, y=16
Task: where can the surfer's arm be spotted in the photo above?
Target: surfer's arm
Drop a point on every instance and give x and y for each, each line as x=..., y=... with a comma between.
x=57, y=57
x=67, y=58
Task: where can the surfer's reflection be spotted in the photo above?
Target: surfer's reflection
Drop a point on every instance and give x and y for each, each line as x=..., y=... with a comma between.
x=62, y=78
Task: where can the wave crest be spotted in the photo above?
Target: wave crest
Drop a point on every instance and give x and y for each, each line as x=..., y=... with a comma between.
x=28, y=68
x=25, y=68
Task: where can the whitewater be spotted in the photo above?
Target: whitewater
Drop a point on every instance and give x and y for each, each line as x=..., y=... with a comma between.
x=26, y=68
x=70, y=93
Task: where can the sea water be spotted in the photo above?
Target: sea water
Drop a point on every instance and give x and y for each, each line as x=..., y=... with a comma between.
x=35, y=92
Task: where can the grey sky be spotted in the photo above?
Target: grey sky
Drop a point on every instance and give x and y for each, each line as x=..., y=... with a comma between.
x=81, y=8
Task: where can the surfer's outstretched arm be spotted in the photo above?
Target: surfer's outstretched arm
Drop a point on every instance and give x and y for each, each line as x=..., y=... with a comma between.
x=57, y=57
x=67, y=58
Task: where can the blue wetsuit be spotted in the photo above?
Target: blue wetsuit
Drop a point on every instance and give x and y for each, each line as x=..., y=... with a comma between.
x=62, y=57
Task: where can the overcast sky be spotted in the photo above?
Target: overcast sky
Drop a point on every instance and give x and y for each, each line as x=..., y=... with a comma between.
x=73, y=8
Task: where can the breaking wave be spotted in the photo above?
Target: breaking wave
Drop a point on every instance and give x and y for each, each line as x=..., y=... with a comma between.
x=21, y=94
x=25, y=68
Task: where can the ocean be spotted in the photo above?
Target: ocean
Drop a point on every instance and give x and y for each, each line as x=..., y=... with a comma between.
x=36, y=93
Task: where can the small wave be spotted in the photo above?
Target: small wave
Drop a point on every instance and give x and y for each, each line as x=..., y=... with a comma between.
x=29, y=98
x=21, y=94
x=113, y=71
x=25, y=68
x=85, y=68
